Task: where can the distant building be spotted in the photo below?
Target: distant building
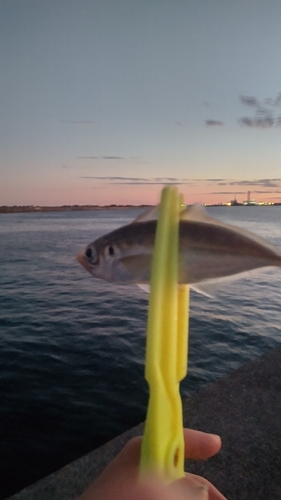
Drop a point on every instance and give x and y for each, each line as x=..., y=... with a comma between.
x=249, y=201
x=234, y=202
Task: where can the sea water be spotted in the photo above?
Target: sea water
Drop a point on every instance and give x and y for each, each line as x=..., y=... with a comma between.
x=72, y=347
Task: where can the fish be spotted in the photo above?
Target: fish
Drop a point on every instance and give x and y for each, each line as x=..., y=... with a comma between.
x=210, y=251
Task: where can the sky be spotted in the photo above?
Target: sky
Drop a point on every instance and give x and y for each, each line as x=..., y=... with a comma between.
x=105, y=102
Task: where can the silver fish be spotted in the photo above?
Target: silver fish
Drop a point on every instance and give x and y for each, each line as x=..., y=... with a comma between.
x=209, y=251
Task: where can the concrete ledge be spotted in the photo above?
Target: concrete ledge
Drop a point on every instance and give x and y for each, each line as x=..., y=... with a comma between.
x=243, y=408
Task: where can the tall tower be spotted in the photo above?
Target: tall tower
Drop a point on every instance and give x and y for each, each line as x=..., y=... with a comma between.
x=248, y=197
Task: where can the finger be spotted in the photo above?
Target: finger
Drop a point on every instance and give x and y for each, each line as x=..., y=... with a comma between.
x=200, y=445
x=214, y=493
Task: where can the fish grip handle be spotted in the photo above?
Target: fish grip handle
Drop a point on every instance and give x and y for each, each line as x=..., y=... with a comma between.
x=162, y=450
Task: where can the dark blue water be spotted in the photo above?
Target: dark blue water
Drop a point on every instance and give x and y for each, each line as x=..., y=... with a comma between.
x=72, y=348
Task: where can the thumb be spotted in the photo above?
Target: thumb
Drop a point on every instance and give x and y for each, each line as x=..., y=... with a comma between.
x=185, y=489
x=190, y=488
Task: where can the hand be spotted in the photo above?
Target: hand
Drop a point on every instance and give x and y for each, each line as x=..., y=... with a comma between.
x=120, y=481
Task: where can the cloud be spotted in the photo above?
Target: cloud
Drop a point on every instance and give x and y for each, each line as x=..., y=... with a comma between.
x=209, y=180
x=256, y=122
x=268, y=101
x=140, y=180
x=230, y=183
x=246, y=121
x=212, y=180
x=227, y=192
x=102, y=158
x=213, y=123
x=113, y=158
x=266, y=183
x=264, y=192
x=253, y=191
x=269, y=183
x=249, y=100
x=263, y=111
x=278, y=121
x=277, y=99
x=78, y=122
x=153, y=183
x=273, y=102
x=115, y=178
x=264, y=117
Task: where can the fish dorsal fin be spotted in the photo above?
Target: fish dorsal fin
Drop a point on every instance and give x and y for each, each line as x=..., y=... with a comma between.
x=150, y=214
x=197, y=213
x=192, y=213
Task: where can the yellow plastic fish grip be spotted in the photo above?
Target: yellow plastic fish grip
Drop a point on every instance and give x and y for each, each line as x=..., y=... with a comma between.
x=166, y=350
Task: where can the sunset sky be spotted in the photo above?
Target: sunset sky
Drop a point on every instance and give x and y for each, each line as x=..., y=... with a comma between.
x=105, y=101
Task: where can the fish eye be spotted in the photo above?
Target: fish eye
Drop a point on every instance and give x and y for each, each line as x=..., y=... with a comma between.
x=91, y=255
x=110, y=250
x=88, y=253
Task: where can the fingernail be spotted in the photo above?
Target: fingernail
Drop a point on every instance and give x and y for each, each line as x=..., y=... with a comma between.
x=216, y=436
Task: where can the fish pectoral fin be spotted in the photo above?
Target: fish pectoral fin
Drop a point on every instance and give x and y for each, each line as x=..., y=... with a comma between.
x=204, y=288
x=211, y=287
x=150, y=214
x=144, y=287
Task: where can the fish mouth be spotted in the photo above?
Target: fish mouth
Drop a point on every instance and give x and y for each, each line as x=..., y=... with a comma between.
x=81, y=258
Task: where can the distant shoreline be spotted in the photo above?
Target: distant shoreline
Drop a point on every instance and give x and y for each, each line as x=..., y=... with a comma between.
x=65, y=208
x=86, y=208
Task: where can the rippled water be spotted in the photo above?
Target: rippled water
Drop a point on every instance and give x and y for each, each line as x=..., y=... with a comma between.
x=72, y=347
